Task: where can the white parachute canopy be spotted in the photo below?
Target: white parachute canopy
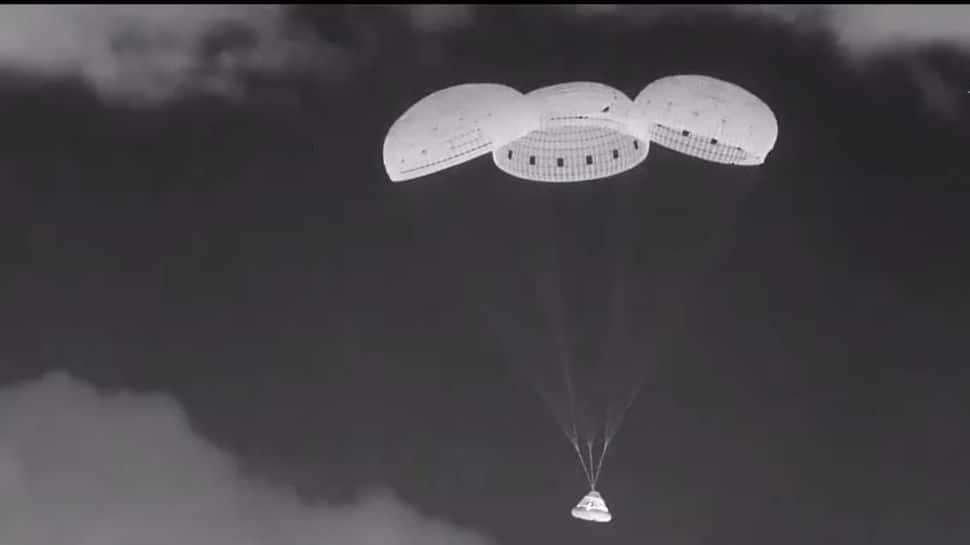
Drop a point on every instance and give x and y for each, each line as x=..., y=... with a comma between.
x=709, y=119
x=587, y=132
x=453, y=126
x=592, y=508
x=578, y=131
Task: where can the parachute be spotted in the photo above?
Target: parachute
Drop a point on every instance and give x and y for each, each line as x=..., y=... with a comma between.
x=586, y=133
x=454, y=126
x=708, y=119
x=580, y=132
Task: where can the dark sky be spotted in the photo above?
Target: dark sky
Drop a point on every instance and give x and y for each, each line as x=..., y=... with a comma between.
x=804, y=320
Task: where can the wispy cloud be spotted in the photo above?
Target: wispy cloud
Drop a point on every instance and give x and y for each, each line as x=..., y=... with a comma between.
x=439, y=17
x=869, y=28
x=863, y=29
x=81, y=466
x=149, y=53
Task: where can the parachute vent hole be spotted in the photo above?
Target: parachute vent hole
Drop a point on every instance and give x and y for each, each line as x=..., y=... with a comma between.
x=589, y=159
x=532, y=159
x=636, y=144
x=714, y=141
x=605, y=109
x=510, y=155
x=559, y=162
x=616, y=154
x=685, y=133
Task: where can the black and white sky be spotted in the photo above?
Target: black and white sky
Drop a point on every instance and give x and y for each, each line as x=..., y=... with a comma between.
x=220, y=323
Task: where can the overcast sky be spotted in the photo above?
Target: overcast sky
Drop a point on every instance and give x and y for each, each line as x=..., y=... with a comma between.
x=223, y=324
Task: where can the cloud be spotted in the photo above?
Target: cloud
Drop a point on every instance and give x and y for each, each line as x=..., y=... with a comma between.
x=439, y=17
x=862, y=29
x=871, y=28
x=900, y=31
x=84, y=467
x=149, y=53
x=152, y=53
x=592, y=10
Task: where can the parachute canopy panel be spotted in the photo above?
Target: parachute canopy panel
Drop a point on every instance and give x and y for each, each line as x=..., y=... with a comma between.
x=592, y=508
x=581, y=99
x=708, y=118
x=571, y=153
x=586, y=133
x=453, y=126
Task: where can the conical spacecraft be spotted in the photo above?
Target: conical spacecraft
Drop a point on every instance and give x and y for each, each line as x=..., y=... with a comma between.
x=592, y=508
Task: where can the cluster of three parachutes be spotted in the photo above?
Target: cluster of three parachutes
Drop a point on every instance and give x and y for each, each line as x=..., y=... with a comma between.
x=529, y=135
x=575, y=132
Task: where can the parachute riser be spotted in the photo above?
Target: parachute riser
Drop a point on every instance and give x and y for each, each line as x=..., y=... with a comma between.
x=587, y=471
x=599, y=466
